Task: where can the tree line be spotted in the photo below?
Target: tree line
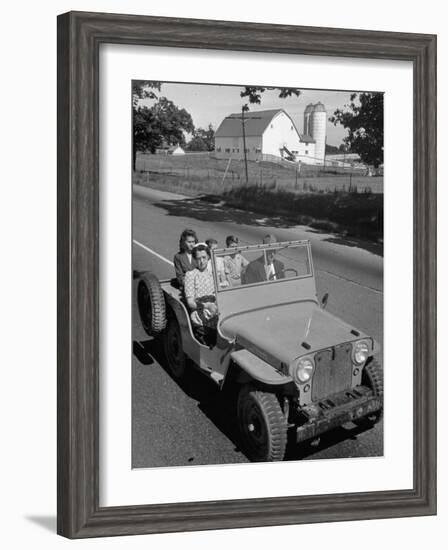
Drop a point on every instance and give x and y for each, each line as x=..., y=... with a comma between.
x=164, y=124
x=363, y=117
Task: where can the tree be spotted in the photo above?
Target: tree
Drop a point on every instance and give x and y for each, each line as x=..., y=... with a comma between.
x=196, y=143
x=171, y=122
x=331, y=149
x=208, y=136
x=202, y=140
x=363, y=118
x=254, y=93
x=143, y=89
x=163, y=122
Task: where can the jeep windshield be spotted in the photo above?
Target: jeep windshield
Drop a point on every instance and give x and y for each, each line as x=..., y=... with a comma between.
x=261, y=264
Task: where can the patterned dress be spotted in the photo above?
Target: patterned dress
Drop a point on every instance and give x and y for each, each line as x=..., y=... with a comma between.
x=199, y=286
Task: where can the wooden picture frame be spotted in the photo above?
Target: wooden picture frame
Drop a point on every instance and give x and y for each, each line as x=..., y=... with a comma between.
x=79, y=38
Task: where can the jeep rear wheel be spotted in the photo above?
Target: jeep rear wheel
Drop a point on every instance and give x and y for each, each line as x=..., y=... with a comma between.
x=151, y=304
x=172, y=343
x=372, y=377
x=262, y=425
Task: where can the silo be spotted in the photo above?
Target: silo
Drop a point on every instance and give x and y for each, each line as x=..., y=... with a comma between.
x=306, y=119
x=318, y=129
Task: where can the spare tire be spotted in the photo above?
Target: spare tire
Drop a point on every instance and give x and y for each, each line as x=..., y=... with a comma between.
x=151, y=304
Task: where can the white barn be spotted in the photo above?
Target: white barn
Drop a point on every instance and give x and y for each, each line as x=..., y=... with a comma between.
x=270, y=132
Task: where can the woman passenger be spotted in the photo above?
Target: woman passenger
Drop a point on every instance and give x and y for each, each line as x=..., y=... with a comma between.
x=184, y=260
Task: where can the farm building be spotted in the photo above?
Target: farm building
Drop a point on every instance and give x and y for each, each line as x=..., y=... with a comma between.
x=176, y=150
x=315, y=125
x=166, y=149
x=269, y=134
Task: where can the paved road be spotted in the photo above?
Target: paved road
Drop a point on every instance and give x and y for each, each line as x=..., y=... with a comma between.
x=175, y=425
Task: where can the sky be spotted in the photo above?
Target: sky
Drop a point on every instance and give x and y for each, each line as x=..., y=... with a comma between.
x=209, y=104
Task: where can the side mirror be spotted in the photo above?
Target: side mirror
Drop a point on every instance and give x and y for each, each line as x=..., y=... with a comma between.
x=324, y=300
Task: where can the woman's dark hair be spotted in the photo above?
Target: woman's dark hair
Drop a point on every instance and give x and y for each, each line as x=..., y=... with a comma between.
x=200, y=248
x=231, y=238
x=186, y=233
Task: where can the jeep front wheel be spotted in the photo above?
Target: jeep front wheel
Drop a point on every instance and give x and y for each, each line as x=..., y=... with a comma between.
x=262, y=425
x=172, y=343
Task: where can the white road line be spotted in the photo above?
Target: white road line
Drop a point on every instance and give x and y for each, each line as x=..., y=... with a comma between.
x=342, y=278
x=152, y=252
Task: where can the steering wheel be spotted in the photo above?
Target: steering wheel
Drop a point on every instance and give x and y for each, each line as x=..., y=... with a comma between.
x=296, y=273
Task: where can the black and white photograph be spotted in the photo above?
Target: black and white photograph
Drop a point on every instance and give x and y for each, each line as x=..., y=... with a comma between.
x=225, y=221
x=257, y=276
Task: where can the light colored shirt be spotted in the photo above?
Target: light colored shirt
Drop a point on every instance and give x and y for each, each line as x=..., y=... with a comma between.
x=220, y=269
x=234, y=266
x=270, y=272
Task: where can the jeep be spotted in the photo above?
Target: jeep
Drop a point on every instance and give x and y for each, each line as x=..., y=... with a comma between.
x=298, y=370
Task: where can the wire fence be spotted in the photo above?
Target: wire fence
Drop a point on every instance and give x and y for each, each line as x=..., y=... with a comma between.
x=206, y=173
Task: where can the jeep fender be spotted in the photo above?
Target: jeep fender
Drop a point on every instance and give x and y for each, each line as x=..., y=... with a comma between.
x=259, y=370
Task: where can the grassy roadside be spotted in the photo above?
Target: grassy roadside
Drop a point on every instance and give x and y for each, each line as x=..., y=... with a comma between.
x=346, y=212
x=352, y=214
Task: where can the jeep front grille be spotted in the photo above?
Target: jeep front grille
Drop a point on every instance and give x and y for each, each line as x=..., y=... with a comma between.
x=333, y=371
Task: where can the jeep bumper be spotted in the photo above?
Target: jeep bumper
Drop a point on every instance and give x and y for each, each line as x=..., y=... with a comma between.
x=329, y=413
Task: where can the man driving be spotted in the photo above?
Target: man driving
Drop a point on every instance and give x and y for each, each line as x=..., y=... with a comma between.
x=265, y=268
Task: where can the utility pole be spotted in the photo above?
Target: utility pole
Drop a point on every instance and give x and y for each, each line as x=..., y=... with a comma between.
x=243, y=124
x=244, y=143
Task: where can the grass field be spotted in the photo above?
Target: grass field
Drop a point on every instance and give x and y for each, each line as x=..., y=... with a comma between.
x=203, y=171
x=341, y=203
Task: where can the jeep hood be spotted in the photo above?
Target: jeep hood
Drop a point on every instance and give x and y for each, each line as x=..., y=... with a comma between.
x=284, y=332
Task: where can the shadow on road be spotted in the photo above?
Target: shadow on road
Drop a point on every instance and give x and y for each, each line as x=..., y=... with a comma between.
x=141, y=353
x=220, y=406
x=204, y=210
x=207, y=210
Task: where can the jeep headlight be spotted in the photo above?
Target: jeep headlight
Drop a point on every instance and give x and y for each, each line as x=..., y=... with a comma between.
x=302, y=370
x=360, y=352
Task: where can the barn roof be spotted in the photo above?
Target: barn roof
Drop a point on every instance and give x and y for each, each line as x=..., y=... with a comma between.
x=231, y=126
